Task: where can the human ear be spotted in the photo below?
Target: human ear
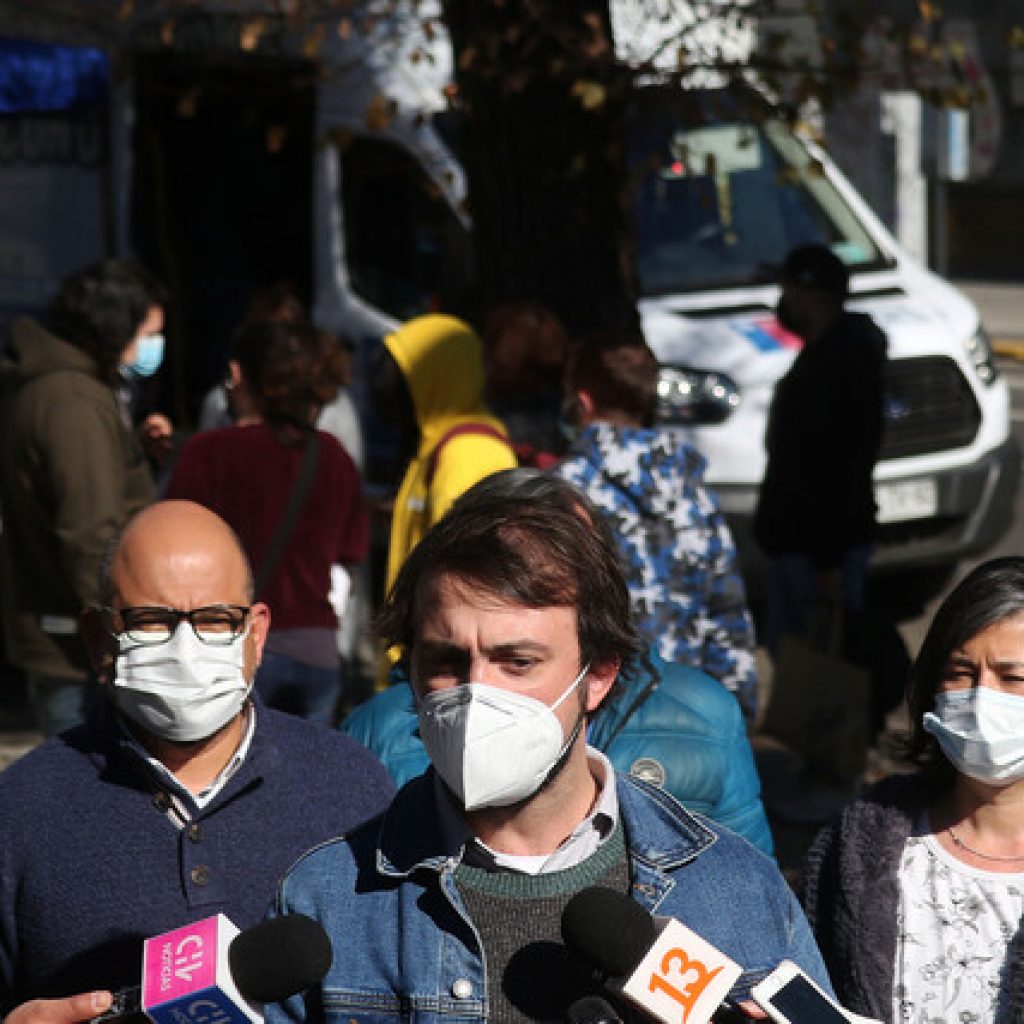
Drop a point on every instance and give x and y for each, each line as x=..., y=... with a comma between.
x=100, y=646
x=599, y=681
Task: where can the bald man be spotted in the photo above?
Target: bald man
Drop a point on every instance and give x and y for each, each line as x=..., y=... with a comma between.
x=182, y=796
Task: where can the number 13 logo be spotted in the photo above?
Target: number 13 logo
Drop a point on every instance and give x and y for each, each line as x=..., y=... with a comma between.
x=691, y=978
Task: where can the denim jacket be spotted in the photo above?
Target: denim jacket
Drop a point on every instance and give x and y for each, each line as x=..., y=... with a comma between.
x=405, y=948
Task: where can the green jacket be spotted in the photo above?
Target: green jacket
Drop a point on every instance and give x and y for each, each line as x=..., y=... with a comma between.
x=70, y=474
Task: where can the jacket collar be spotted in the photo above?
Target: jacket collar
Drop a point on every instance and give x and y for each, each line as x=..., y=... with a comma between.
x=660, y=833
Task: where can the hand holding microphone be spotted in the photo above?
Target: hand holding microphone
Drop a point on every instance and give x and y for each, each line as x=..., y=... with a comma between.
x=661, y=966
x=210, y=973
x=68, y=1010
x=676, y=977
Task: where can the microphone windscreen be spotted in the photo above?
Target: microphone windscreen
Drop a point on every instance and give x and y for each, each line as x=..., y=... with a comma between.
x=608, y=929
x=279, y=957
x=542, y=978
x=592, y=1010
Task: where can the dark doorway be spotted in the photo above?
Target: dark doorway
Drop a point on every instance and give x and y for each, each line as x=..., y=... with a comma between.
x=222, y=200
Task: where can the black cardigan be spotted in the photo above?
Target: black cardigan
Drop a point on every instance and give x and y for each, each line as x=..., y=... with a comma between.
x=849, y=891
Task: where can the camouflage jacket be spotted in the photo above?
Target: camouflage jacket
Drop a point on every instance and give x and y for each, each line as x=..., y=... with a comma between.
x=677, y=553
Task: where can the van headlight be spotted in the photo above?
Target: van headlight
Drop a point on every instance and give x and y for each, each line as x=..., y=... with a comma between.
x=979, y=351
x=695, y=397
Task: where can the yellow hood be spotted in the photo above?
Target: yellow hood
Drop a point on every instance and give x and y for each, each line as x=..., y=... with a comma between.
x=442, y=360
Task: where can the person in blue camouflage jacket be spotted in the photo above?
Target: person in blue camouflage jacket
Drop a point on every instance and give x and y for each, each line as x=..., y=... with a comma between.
x=677, y=553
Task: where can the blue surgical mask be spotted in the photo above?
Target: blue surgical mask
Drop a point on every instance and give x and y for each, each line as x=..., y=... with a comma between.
x=981, y=732
x=149, y=354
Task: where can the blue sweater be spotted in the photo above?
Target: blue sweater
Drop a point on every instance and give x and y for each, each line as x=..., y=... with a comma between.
x=91, y=864
x=680, y=730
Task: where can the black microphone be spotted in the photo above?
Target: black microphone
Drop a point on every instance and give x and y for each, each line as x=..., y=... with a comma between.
x=543, y=979
x=279, y=957
x=608, y=929
x=661, y=966
x=592, y=1010
x=211, y=973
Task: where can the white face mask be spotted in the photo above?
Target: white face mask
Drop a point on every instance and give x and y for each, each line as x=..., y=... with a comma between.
x=183, y=689
x=981, y=732
x=492, y=747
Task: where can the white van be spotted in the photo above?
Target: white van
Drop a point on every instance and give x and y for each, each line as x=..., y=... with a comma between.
x=729, y=201
x=721, y=200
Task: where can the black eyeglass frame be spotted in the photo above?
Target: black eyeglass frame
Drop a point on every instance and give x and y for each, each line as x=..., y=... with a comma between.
x=236, y=616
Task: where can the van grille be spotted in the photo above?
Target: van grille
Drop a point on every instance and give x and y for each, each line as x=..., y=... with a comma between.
x=929, y=407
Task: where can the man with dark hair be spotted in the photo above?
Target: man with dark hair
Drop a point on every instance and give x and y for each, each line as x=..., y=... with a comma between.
x=675, y=548
x=514, y=622
x=71, y=470
x=101, y=309
x=815, y=515
x=669, y=724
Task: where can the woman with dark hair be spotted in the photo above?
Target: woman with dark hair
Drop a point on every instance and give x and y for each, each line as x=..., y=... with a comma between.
x=293, y=495
x=71, y=471
x=916, y=894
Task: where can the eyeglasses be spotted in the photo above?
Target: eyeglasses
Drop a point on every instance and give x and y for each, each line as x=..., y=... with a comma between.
x=215, y=624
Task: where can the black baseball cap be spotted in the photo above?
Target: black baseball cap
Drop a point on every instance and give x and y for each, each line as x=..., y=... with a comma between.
x=816, y=267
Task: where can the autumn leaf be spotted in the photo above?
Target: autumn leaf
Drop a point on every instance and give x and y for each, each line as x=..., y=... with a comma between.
x=186, y=105
x=380, y=112
x=590, y=94
x=312, y=43
x=276, y=137
x=251, y=32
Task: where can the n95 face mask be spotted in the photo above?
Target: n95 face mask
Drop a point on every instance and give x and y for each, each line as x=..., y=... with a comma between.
x=182, y=689
x=981, y=732
x=492, y=747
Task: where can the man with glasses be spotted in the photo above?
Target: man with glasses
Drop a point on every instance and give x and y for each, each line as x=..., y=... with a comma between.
x=182, y=796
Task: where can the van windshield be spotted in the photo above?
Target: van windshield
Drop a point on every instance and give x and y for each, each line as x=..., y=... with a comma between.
x=719, y=205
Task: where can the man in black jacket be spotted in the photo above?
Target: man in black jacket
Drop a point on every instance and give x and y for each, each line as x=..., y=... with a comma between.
x=816, y=513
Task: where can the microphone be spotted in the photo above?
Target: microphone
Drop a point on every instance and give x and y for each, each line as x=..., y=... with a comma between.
x=592, y=1010
x=658, y=964
x=211, y=973
x=543, y=979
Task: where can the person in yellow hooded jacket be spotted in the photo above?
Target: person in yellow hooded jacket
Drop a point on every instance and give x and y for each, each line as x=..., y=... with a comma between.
x=430, y=384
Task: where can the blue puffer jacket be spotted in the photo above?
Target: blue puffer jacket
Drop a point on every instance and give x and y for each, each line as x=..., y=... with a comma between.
x=683, y=732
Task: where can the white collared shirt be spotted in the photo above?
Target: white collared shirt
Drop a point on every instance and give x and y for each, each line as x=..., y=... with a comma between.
x=581, y=843
x=184, y=802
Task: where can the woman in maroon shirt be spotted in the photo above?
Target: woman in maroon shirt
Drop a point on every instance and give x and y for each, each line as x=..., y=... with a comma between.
x=281, y=376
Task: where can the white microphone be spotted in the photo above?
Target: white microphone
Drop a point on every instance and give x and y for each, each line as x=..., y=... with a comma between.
x=658, y=964
x=211, y=973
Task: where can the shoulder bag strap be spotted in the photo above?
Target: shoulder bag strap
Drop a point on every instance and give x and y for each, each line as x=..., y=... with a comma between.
x=291, y=514
x=482, y=429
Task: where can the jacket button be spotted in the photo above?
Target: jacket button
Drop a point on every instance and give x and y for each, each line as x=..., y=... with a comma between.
x=201, y=874
x=462, y=988
x=161, y=801
x=195, y=832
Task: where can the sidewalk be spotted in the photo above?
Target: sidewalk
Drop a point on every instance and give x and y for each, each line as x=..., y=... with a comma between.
x=1002, y=312
x=14, y=744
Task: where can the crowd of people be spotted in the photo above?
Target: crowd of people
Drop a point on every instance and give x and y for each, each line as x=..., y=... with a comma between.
x=566, y=664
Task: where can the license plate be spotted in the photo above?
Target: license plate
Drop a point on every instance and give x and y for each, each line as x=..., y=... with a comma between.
x=907, y=499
